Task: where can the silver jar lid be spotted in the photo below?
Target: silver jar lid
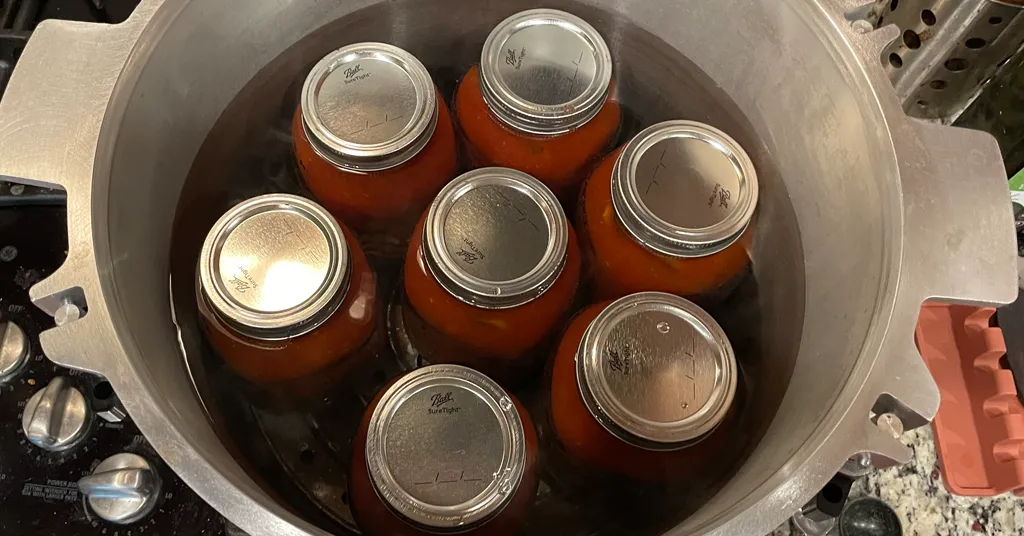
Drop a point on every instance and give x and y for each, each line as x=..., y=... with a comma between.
x=368, y=107
x=656, y=371
x=275, y=266
x=495, y=238
x=445, y=447
x=684, y=189
x=545, y=71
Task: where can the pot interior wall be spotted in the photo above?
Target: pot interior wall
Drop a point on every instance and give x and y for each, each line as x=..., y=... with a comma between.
x=766, y=72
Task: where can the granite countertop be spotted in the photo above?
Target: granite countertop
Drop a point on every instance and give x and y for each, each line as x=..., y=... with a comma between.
x=925, y=507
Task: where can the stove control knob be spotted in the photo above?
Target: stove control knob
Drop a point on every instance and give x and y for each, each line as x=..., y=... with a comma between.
x=13, y=350
x=57, y=417
x=122, y=489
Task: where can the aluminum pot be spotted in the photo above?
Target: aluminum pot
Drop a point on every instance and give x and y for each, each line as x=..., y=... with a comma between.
x=864, y=213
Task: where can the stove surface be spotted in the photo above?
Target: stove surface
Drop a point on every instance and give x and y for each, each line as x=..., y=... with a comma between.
x=39, y=488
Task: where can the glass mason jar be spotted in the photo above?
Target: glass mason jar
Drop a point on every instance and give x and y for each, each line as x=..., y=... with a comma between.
x=491, y=272
x=667, y=211
x=287, y=297
x=538, y=101
x=443, y=449
x=374, y=141
x=639, y=387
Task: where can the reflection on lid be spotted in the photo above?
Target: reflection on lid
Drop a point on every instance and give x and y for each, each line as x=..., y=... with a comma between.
x=545, y=71
x=274, y=266
x=368, y=106
x=446, y=447
x=656, y=371
x=496, y=237
x=684, y=189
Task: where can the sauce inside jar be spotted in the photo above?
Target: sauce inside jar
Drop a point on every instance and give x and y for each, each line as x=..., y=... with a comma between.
x=443, y=449
x=490, y=274
x=667, y=213
x=639, y=386
x=538, y=101
x=374, y=140
x=286, y=295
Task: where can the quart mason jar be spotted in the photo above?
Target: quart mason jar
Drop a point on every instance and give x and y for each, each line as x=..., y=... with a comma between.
x=539, y=99
x=287, y=297
x=443, y=449
x=374, y=141
x=491, y=274
x=668, y=212
x=640, y=386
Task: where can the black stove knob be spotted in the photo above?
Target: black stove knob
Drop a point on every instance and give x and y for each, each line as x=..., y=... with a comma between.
x=122, y=489
x=14, y=350
x=57, y=417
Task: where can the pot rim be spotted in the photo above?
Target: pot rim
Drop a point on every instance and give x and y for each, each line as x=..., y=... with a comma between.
x=929, y=170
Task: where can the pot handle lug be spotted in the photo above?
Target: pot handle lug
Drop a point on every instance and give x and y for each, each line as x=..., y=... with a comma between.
x=900, y=396
x=54, y=105
x=904, y=386
x=959, y=240
x=51, y=117
x=959, y=246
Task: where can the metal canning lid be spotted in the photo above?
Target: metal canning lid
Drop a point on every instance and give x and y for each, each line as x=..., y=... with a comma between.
x=684, y=189
x=275, y=266
x=445, y=447
x=545, y=71
x=656, y=371
x=368, y=107
x=495, y=238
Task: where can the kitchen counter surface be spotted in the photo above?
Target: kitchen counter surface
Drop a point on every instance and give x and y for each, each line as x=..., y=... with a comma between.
x=925, y=507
